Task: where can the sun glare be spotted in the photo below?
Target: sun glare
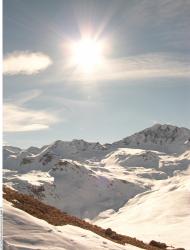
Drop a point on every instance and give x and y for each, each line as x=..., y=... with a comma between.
x=87, y=54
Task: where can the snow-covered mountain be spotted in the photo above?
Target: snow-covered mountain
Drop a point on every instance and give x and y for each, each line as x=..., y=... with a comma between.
x=159, y=214
x=94, y=181
x=163, y=138
x=41, y=235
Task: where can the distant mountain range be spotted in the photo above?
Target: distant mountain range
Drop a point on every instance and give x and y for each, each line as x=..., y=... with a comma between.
x=141, y=181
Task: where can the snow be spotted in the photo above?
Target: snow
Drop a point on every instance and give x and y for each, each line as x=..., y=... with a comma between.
x=12, y=149
x=77, y=149
x=33, y=150
x=160, y=214
x=140, y=182
x=133, y=158
x=164, y=138
x=23, y=231
x=78, y=186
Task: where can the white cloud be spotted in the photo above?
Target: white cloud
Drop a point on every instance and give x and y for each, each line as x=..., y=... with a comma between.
x=148, y=66
x=19, y=119
x=155, y=65
x=25, y=62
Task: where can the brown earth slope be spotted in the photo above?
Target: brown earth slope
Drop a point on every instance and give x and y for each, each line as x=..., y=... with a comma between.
x=55, y=217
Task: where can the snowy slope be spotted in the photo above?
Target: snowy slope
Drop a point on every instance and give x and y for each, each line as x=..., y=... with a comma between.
x=75, y=188
x=77, y=150
x=33, y=150
x=91, y=180
x=160, y=214
x=160, y=164
x=23, y=231
x=101, y=176
x=12, y=149
x=163, y=138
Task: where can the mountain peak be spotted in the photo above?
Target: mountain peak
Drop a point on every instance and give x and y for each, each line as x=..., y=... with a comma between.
x=164, y=138
x=165, y=127
x=167, y=130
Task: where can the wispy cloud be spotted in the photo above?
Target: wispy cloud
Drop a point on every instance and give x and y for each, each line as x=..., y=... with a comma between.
x=24, y=96
x=25, y=62
x=148, y=66
x=155, y=65
x=20, y=119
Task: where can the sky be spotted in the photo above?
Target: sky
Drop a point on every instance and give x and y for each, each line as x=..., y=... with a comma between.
x=143, y=78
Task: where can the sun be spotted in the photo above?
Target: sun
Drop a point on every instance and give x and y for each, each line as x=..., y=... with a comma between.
x=87, y=54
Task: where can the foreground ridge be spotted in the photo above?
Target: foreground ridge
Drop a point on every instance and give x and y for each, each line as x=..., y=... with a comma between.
x=55, y=217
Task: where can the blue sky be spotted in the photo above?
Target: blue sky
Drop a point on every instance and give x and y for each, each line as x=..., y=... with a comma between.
x=144, y=79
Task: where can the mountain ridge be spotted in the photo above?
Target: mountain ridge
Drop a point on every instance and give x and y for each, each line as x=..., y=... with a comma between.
x=158, y=131
x=91, y=180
